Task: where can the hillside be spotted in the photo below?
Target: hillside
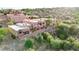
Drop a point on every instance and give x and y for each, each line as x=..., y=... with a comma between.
x=59, y=13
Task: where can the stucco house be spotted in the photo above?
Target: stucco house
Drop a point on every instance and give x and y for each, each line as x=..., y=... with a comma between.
x=35, y=23
x=24, y=25
x=20, y=29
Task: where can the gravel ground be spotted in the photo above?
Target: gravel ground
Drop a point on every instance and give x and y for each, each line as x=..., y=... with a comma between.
x=12, y=45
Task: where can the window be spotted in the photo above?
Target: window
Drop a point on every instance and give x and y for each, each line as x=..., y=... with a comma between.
x=43, y=23
x=20, y=31
x=27, y=32
x=40, y=23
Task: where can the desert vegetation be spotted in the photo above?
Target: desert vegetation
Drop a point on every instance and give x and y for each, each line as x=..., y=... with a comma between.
x=64, y=38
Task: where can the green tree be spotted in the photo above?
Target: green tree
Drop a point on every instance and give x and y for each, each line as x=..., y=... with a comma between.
x=67, y=45
x=47, y=36
x=3, y=33
x=62, y=31
x=76, y=45
x=28, y=43
x=56, y=44
x=71, y=39
x=5, y=11
x=39, y=38
x=74, y=30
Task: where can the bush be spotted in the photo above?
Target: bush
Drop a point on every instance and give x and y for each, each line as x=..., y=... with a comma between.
x=3, y=33
x=13, y=36
x=28, y=43
x=10, y=21
x=39, y=38
x=69, y=22
x=56, y=44
x=76, y=45
x=74, y=42
x=47, y=36
x=48, y=22
x=74, y=30
x=62, y=31
x=67, y=45
x=71, y=39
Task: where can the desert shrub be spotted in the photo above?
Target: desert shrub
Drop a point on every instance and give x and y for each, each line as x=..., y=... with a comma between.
x=32, y=28
x=56, y=44
x=71, y=39
x=48, y=22
x=74, y=30
x=47, y=36
x=62, y=31
x=76, y=16
x=76, y=45
x=28, y=43
x=11, y=22
x=3, y=33
x=69, y=22
x=13, y=36
x=39, y=38
x=67, y=45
